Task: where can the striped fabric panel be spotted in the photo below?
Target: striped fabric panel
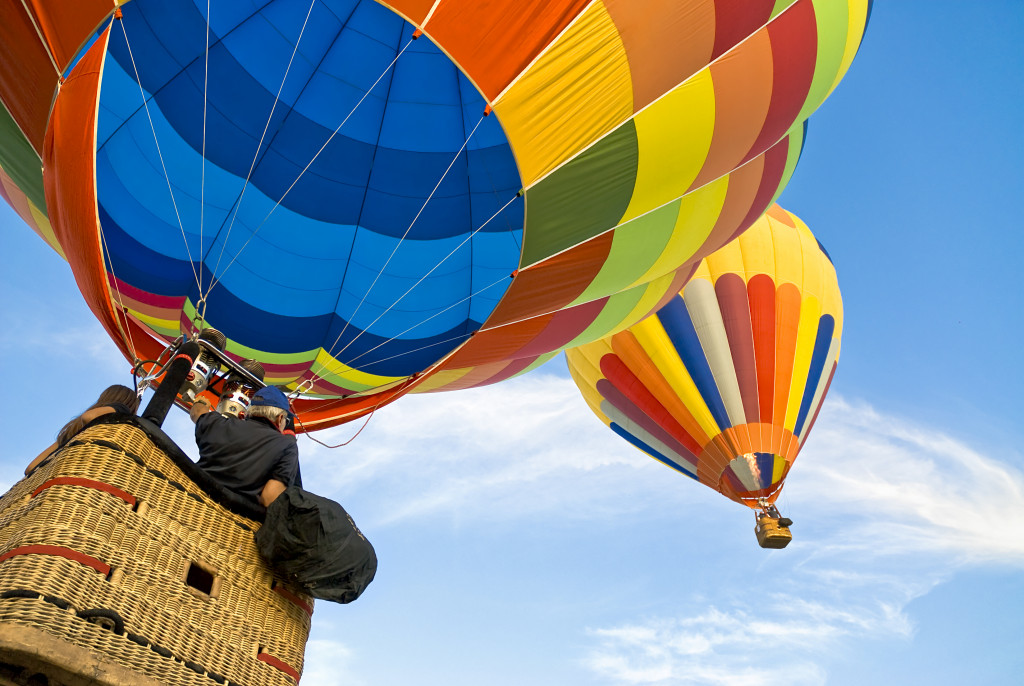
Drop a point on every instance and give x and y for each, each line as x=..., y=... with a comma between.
x=707, y=319
x=625, y=392
x=686, y=344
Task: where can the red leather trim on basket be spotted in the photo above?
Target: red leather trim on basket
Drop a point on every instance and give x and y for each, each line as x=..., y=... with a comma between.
x=288, y=595
x=278, y=664
x=74, y=555
x=88, y=483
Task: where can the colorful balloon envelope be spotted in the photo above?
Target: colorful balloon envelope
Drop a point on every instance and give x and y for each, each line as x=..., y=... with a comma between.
x=724, y=383
x=370, y=197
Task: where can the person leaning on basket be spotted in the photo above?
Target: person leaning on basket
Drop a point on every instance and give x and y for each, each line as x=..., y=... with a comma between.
x=253, y=456
x=116, y=398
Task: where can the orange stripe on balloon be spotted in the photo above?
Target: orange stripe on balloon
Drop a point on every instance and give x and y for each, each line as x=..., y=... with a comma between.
x=27, y=77
x=628, y=349
x=413, y=10
x=67, y=25
x=743, y=92
x=494, y=42
x=663, y=53
x=787, y=318
x=781, y=215
x=739, y=196
x=552, y=284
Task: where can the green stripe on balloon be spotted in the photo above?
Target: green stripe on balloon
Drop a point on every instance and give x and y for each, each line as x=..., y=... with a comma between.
x=583, y=199
x=20, y=161
x=636, y=247
x=833, y=20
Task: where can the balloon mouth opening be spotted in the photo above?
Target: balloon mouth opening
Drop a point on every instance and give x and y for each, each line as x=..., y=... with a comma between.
x=752, y=477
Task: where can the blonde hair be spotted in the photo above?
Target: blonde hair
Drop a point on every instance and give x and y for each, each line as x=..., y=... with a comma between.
x=274, y=414
x=112, y=394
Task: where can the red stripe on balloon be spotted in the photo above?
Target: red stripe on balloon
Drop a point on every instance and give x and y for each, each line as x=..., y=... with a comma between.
x=565, y=325
x=771, y=179
x=732, y=301
x=761, y=304
x=737, y=19
x=794, y=36
x=659, y=420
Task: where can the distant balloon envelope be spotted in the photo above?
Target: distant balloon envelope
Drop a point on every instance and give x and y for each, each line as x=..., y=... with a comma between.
x=724, y=383
x=370, y=196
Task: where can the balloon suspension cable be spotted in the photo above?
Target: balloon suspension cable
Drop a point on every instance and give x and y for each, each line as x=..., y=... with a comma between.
x=398, y=245
x=414, y=326
x=323, y=147
x=125, y=329
x=344, y=443
x=202, y=182
x=159, y=152
x=42, y=38
x=259, y=146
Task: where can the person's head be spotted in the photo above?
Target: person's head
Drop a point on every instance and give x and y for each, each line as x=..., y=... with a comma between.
x=118, y=394
x=271, y=404
x=112, y=394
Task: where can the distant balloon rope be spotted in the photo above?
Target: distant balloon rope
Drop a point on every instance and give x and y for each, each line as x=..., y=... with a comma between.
x=259, y=146
x=238, y=254
x=163, y=165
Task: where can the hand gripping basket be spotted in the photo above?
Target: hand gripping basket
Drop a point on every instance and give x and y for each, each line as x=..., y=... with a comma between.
x=121, y=563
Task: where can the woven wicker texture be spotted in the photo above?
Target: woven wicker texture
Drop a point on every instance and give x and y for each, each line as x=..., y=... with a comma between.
x=149, y=535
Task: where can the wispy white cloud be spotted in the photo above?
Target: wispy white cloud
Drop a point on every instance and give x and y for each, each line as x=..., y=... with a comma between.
x=891, y=510
x=512, y=450
x=328, y=663
x=904, y=488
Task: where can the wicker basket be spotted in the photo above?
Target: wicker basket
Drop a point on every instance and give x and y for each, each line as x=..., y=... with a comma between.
x=771, y=534
x=112, y=549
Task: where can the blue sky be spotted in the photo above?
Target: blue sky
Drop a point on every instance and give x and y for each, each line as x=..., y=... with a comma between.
x=520, y=542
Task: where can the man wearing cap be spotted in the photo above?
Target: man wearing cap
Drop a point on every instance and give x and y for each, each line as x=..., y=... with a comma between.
x=253, y=456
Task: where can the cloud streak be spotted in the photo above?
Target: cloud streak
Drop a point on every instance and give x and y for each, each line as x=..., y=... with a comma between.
x=520, y=449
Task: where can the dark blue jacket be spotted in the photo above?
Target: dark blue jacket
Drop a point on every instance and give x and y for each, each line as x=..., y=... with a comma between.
x=242, y=455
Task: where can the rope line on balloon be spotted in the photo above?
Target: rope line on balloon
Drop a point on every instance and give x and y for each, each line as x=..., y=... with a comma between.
x=423, y=278
x=42, y=38
x=398, y=245
x=126, y=332
x=163, y=165
x=259, y=146
x=343, y=443
x=202, y=181
x=217, y=279
x=317, y=377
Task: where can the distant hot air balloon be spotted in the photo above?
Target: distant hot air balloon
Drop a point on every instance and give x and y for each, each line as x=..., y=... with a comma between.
x=366, y=197
x=724, y=383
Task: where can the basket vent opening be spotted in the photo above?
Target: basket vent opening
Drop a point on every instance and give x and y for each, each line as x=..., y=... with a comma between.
x=200, y=579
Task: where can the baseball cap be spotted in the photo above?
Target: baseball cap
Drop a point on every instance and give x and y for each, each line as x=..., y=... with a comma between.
x=271, y=397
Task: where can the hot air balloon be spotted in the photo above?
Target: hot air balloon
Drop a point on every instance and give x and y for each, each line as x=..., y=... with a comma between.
x=369, y=198
x=724, y=383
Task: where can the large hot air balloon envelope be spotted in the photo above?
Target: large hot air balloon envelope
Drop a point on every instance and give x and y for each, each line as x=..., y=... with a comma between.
x=369, y=196
x=724, y=383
